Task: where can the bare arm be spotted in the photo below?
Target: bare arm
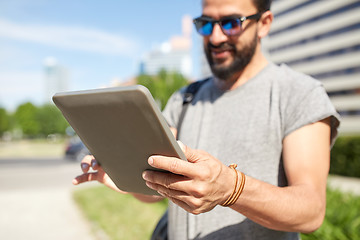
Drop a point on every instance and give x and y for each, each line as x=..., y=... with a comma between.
x=206, y=182
x=300, y=206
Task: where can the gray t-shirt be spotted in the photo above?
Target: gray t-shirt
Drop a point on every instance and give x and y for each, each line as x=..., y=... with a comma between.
x=246, y=126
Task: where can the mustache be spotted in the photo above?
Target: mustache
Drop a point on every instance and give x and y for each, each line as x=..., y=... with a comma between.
x=223, y=46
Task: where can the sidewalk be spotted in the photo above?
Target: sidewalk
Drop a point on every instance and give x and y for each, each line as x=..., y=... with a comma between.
x=36, y=201
x=345, y=184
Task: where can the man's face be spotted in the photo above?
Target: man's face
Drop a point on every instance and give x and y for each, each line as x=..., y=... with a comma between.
x=228, y=55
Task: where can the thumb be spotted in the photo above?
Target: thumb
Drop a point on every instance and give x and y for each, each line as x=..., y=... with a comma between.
x=190, y=154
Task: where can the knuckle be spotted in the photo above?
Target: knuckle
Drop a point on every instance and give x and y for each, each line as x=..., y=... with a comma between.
x=173, y=165
x=91, y=177
x=164, y=191
x=199, y=191
x=205, y=174
x=196, y=211
x=167, y=181
x=197, y=203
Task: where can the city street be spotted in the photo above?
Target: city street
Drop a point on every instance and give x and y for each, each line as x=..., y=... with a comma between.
x=36, y=200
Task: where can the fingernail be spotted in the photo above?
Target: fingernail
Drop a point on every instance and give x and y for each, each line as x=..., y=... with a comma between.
x=93, y=164
x=149, y=185
x=145, y=176
x=84, y=165
x=151, y=161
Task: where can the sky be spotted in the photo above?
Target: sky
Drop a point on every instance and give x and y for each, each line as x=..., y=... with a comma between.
x=95, y=41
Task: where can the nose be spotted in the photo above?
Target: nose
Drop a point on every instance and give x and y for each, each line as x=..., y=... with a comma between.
x=217, y=36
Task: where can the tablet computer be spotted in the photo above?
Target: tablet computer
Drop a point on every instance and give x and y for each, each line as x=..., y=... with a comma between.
x=122, y=127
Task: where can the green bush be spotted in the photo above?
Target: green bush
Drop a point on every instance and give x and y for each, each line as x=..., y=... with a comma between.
x=345, y=156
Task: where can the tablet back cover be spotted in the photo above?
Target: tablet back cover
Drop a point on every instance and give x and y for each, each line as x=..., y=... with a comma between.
x=122, y=127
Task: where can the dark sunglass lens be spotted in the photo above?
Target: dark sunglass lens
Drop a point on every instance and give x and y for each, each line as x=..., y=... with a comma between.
x=204, y=27
x=231, y=26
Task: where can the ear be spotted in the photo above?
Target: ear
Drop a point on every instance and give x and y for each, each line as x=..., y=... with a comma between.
x=264, y=24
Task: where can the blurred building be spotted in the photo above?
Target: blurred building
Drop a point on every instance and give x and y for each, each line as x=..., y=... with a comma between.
x=322, y=39
x=56, y=78
x=174, y=55
x=205, y=70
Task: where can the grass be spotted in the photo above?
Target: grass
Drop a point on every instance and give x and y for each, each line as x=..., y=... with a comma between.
x=123, y=217
x=119, y=216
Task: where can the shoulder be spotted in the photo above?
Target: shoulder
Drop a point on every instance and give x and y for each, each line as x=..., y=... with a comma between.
x=303, y=99
x=176, y=102
x=289, y=79
x=187, y=93
x=294, y=87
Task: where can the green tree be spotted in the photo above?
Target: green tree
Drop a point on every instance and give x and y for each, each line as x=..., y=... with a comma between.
x=50, y=120
x=163, y=85
x=26, y=120
x=4, y=121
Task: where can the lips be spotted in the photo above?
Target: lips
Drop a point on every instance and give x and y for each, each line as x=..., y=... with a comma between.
x=220, y=51
x=219, y=54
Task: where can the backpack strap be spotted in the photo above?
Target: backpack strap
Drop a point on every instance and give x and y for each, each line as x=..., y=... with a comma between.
x=189, y=95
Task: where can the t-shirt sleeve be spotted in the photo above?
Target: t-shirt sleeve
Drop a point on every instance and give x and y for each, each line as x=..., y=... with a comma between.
x=308, y=105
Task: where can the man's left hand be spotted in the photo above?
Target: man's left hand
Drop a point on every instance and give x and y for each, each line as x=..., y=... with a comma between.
x=197, y=185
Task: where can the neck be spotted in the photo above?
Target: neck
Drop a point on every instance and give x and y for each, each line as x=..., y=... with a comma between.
x=257, y=63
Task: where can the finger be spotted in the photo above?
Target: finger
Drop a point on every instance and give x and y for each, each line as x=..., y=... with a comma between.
x=94, y=164
x=168, y=180
x=181, y=204
x=165, y=192
x=174, y=165
x=188, y=203
x=174, y=131
x=86, y=177
x=191, y=155
x=180, y=198
x=85, y=163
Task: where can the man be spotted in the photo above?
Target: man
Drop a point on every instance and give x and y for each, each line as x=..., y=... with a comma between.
x=275, y=124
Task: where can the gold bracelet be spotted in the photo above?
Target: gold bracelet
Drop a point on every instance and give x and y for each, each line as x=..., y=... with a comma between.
x=237, y=190
x=233, y=166
x=241, y=188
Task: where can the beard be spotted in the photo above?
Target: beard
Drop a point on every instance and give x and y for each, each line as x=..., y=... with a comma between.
x=241, y=59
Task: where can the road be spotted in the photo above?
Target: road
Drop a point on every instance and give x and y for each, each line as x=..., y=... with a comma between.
x=36, y=200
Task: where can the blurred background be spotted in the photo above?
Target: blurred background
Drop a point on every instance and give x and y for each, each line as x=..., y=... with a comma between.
x=54, y=46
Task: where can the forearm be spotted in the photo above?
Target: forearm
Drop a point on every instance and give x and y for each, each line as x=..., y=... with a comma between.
x=294, y=209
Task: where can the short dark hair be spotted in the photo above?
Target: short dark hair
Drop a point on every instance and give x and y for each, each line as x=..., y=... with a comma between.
x=262, y=5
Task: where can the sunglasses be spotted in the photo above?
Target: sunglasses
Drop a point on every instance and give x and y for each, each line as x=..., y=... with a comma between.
x=230, y=26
